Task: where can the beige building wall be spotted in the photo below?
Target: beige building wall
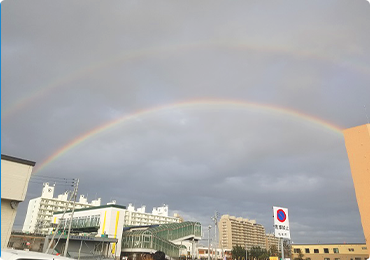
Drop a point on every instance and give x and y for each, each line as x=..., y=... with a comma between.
x=243, y=232
x=7, y=221
x=357, y=141
x=271, y=241
x=330, y=251
x=15, y=175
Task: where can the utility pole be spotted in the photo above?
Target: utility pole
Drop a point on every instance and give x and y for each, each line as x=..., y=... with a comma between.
x=214, y=218
x=209, y=242
x=73, y=210
x=56, y=230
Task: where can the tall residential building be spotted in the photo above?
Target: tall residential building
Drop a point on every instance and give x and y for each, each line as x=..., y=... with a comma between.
x=243, y=232
x=40, y=210
x=15, y=175
x=272, y=241
x=357, y=141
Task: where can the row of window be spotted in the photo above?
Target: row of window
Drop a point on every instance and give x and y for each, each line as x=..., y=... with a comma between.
x=356, y=258
x=326, y=250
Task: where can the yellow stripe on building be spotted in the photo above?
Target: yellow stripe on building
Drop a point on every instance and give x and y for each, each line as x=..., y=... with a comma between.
x=115, y=233
x=103, y=228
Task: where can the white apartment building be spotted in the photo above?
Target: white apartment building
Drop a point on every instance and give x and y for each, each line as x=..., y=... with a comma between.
x=110, y=219
x=40, y=210
x=139, y=217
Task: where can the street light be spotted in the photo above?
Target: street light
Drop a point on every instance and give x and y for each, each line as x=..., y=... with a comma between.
x=209, y=243
x=215, y=218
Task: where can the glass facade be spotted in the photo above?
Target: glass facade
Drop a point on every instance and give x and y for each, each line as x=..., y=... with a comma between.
x=159, y=238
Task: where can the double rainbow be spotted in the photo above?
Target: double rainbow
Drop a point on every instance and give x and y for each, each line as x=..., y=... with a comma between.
x=170, y=50
x=198, y=104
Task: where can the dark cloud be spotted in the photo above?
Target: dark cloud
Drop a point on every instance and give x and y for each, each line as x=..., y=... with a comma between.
x=70, y=67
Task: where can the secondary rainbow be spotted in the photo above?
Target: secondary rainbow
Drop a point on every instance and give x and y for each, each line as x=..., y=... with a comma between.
x=160, y=51
x=199, y=103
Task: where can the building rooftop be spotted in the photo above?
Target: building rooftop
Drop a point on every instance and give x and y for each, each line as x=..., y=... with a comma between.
x=92, y=208
x=17, y=160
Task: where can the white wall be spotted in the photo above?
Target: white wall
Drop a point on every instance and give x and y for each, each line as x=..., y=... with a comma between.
x=31, y=216
x=14, y=180
x=7, y=221
x=111, y=222
x=15, y=176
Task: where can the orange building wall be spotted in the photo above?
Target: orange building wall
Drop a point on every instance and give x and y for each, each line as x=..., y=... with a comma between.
x=357, y=140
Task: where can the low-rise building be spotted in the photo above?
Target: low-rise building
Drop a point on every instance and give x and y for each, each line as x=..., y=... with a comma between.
x=109, y=220
x=222, y=253
x=175, y=240
x=330, y=251
x=22, y=241
x=15, y=175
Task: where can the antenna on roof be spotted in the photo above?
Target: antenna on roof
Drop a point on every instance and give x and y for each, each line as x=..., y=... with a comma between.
x=366, y=115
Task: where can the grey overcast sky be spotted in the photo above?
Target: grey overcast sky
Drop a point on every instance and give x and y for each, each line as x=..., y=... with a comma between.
x=228, y=106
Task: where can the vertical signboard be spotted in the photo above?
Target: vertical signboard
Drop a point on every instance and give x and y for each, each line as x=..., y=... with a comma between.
x=281, y=222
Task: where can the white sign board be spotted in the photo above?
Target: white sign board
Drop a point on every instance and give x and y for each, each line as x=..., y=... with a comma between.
x=281, y=222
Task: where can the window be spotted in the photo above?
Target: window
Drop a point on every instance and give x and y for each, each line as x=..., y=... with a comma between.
x=307, y=250
x=336, y=250
x=326, y=258
x=351, y=249
x=336, y=258
x=364, y=248
x=326, y=250
x=297, y=250
x=316, y=251
x=357, y=258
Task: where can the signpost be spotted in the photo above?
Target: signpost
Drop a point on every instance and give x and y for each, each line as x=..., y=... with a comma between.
x=281, y=226
x=281, y=222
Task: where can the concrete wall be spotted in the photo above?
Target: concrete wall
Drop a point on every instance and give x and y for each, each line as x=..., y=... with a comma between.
x=15, y=175
x=357, y=141
x=19, y=241
x=7, y=221
x=14, y=180
x=31, y=216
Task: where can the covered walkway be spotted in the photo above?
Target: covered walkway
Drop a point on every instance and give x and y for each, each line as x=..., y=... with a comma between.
x=160, y=238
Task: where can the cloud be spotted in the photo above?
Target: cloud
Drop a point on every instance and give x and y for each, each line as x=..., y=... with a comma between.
x=68, y=68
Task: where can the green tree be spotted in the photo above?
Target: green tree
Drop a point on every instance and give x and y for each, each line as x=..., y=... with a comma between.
x=238, y=252
x=287, y=249
x=274, y=251
x=258, y=253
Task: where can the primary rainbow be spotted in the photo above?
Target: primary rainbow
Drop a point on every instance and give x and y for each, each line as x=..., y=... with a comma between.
x=299, y=116
x=161, y=51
